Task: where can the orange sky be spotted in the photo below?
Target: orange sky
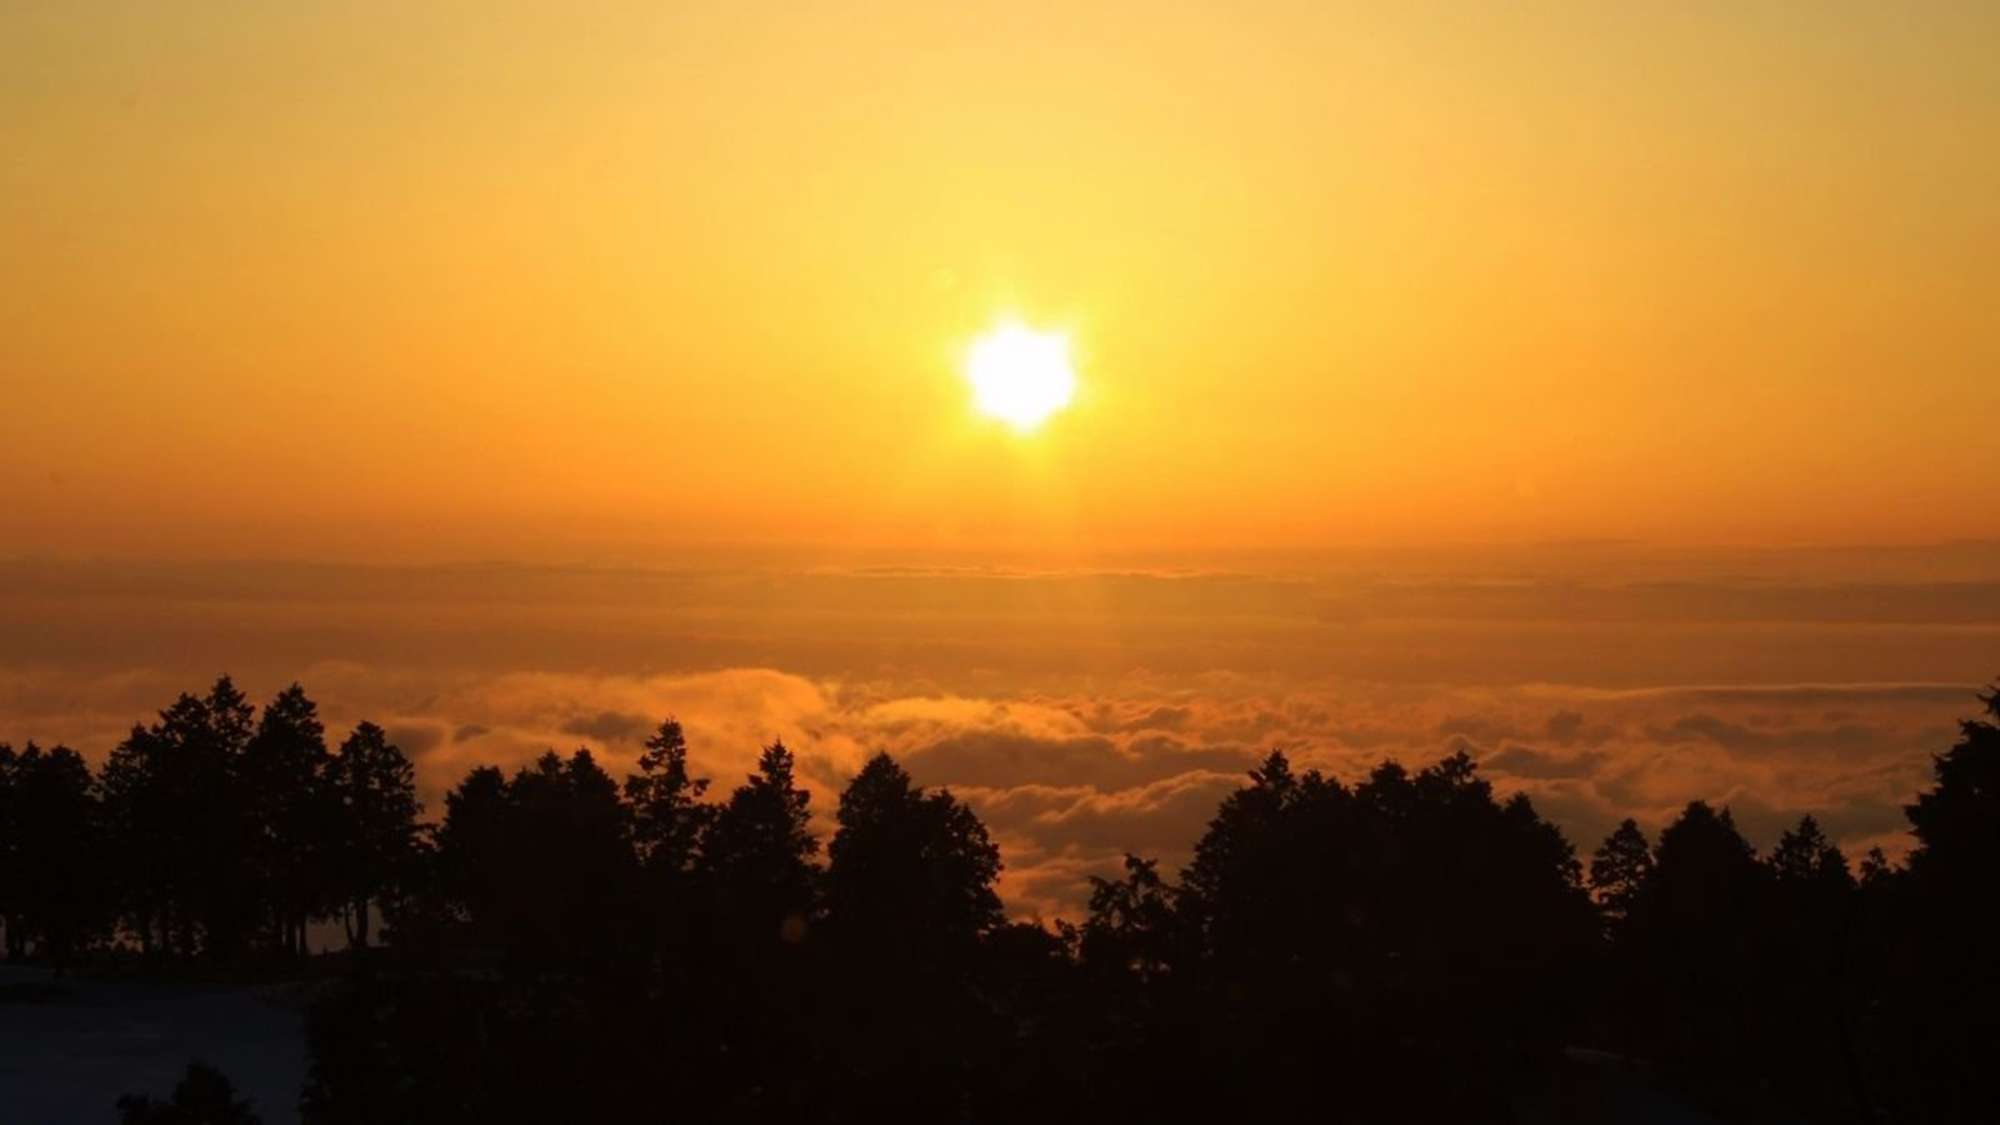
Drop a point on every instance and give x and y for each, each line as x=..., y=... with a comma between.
x=384, y=280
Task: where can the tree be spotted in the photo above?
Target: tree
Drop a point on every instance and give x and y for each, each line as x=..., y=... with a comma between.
x=1619, y=870
x=1803, y=961
x=54, y=853
x=669, y=820
x=1694, y=939
x=1957, y=821
x=1945, y=988
x=1702, y=856
x=374, y=794
x=759, y=850
x=287, y=771
x=1876, y=870
x=668, y=815
x=183, y=833
x=909, y=897
x=10, y=858
x=1132, y=925
x=204, y=1096
x=472, y=845
x=911, y=872
x=1413, y=925
x=542, y=863
x=1804, y=857
x=136, y=810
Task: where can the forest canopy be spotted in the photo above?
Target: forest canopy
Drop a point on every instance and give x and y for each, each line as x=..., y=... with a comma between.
x=559, y=943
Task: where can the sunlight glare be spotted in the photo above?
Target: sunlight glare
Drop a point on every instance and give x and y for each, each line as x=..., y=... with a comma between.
x=1020, y=375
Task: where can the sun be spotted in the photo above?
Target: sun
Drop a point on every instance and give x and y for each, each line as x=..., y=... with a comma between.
x=1020, y=375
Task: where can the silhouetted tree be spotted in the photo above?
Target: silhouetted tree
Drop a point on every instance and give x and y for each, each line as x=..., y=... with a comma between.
x=1957, y=820
x=1875, y=868
x=1132, y=927
x=911, y=872
x=1398, y=925
x=568, y=818
x=184, y=837
x=1946, y=987
x=756, y=864
x=1412, y=947
x=758, y=854
x=669, y=820
x=1802, y=970
x=1619, y=873
x=667, y=813
x=515, y=854
x=373, y=793
x=51, y=853
x=909, y=896
x=12, y=858
x=1694, y=936
x=285, y=768
x=202, y=1097
x=1620, y=869
x=1141, y=1021
x=1805, y=858
x=1031, y=1064
x=471, y=858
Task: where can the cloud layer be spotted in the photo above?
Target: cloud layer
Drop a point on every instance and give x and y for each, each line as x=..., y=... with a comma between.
x=1082, y=715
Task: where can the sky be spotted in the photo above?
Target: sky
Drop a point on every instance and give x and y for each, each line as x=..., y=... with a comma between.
x=1603, y=387
x=447, y=280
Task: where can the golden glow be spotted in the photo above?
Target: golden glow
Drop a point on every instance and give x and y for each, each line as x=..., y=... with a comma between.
x=467, y=280
x=1020, y=375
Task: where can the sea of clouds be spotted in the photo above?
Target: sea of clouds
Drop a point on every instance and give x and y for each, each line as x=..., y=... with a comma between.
x=1086, y=712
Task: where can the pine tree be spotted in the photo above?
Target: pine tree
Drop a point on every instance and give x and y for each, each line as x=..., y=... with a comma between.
x=375, y=789
x=1804, y=856
x=288, y=774
x=1949, y=989
x=759, y=853
x=53, y=849
x=911, y=869
x=184, y=836
x=668, y=816
x=10, y=858
x=1619, y=870
x=1876, y=870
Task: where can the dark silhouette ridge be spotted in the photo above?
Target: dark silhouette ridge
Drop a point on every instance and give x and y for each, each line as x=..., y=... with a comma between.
x=563, y=945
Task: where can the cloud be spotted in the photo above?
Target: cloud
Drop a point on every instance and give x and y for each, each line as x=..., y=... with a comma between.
x=1789, y=695
x=1071, y=775
x=1563, y=727
x=1856, y=822
x=611, y=726
x=1082, y=714
x=1524, y=761
x=1762, y=735
x=417, y=737
x=993, y=758
x=1162, y=818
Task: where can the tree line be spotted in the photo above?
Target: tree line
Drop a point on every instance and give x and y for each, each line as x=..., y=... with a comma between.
x=563, y=945
x=216, y=832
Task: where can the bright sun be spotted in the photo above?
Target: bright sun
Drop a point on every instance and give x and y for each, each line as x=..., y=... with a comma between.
x=1019, y=375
